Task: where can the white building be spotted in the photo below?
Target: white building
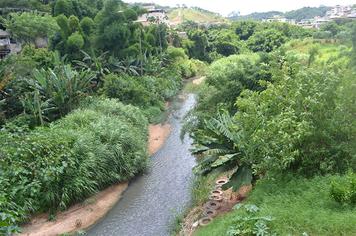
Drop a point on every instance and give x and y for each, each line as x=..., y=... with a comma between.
x=340, y=12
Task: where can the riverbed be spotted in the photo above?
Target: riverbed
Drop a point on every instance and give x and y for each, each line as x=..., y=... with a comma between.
x=152, y=201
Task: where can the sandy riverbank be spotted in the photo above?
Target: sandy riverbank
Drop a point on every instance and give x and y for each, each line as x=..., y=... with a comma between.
x=83, y=215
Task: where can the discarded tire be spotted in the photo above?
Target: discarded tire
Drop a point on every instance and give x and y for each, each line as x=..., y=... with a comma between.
x=205, y=221
x=221, y=182
x=212, y=205
x=210, y=213
x=217, y=192
x=217, y=198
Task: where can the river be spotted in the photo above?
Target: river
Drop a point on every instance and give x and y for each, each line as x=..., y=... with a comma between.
x=152, y=201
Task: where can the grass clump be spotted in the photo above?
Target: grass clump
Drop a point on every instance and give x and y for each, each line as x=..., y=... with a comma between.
x=295, y=205
x=102, y=143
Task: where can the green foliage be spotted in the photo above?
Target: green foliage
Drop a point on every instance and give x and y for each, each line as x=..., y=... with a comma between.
x=102, y=143
x=87, y=25
x=73, y=23
x=266, y=40
x=331, y=27
x=242, y=177
x=307, y=13
x=297, y=205
x=198, y=48
x=300, y=121
x=26, y=27
x=75, y=42
x=304, y=13
x=141, y=91
x=64, y=7
x=250, y=224
x=229, y=76
x=56, y=92
x=245, y=29
x=343, y=190
x=293, y=125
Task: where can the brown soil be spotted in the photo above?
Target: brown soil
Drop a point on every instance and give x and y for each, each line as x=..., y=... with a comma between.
x=82, y=216
x=157, y=137
x=77, y=217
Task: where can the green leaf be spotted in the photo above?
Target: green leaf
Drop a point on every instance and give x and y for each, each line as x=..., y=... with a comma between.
x=223, y=159
x=243, y=176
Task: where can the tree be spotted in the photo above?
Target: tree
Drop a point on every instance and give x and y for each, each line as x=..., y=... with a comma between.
x=27, y=27
x=64, y=7
x=266, y=40
x=200, y=41
x=331, y=27
x=87, y=26
x=245, y=29
x=73, y=23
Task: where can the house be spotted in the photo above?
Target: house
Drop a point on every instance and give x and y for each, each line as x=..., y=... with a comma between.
x=5, y=44
x=153, y=16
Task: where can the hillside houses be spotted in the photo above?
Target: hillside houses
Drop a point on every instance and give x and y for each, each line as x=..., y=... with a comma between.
x=336, y=13
x=340, y=12
x=153, y=15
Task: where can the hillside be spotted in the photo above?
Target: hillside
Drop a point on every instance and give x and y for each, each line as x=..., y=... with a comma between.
x=178, y=15
x=298, y=15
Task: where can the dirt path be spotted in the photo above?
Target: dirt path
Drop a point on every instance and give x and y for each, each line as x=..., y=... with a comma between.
x=83, y=215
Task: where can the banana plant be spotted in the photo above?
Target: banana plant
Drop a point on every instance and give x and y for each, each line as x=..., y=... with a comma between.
x=218, y=148
x=97, y=64
x=61, y=88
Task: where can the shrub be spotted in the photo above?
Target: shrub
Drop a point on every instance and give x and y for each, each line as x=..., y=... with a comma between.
x=343, y=190
x=88, y=150
x=132, y=90
x=56, y=92
x=266, y=40
x=28, y=26
x=75, y=42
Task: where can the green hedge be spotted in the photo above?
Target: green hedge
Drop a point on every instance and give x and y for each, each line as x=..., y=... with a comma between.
x=102, y=143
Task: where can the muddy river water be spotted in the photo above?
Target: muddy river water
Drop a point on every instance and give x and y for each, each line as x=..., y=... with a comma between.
x=152, y=201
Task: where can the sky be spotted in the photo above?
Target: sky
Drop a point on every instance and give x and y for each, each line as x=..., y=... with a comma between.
x=224, y=7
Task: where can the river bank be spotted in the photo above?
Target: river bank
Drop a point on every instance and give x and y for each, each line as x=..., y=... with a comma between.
x=83, y=215
x=152, y=202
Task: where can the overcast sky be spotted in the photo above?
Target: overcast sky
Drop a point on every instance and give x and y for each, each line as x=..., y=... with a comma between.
x=225, y=7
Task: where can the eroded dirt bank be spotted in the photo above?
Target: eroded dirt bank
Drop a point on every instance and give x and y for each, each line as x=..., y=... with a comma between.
x=83, y=215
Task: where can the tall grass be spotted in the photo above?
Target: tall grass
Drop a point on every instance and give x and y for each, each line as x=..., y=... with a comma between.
x=101, y=143
x=298, y=206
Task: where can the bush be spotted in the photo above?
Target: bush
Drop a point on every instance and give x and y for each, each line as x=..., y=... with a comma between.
x=143, y=91
x=343, y=190
x=132, y=90
x=75, y=42
x=266, y=40
x=26, y=27
x=301, y=123
x=88, y=150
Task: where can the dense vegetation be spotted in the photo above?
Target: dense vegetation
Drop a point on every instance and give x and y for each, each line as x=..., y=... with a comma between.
x=277, y=110
x=75, y=103
x=281, y=116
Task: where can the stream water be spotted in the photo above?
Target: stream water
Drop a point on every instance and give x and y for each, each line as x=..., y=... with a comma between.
x=152, y=201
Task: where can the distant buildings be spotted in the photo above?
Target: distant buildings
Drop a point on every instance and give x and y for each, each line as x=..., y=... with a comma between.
x=341, y=12
x=337, y=12
x=278, y=18
x=153, y=16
